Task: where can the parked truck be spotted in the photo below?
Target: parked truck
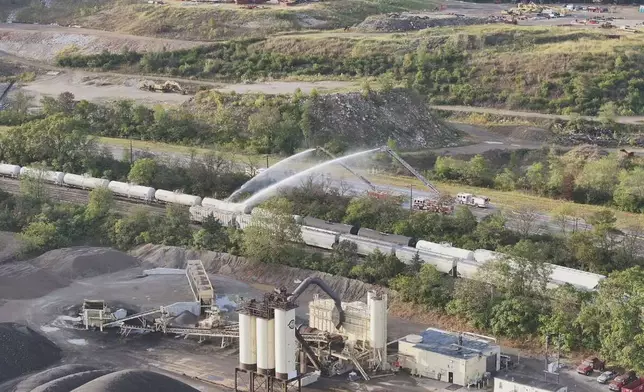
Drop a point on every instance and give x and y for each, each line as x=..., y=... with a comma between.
x=635, y=386
x=473, y=200
x=622, y=380
x=589, y=365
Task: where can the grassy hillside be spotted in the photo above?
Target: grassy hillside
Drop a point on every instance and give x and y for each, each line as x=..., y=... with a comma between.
x=554, y=69
x=204, y=21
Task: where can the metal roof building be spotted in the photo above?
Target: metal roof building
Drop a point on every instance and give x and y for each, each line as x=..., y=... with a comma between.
x=461, y=359
x=509, y=382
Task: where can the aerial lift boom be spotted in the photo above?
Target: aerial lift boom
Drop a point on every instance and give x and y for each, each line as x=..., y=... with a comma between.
x=373, y=188
x=411, y=169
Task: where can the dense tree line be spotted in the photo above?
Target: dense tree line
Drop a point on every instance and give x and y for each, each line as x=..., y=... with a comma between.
x=582, y=175
x=449, y=71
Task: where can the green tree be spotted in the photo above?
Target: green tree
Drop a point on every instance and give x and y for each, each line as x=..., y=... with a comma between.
x=143, y=171
x=598, y=179
x=560, y=319
x=40, y=237
x=175, y=227
x=378, y=214
x=378, y=268
x=629, y=193
x=269, y=237
x=472, y=300
x=536, y=177
x=212, y=235
x=132, y=230
x=343, y=258
x=429, y=287
x=477, y=172
x=514, y=317
x=101, y=201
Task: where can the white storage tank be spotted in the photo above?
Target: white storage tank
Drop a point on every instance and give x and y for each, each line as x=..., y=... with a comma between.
x=446, y=250
x=285, y=344
x=266, y=346
x=319, y=238
x=247, y=342
x=177, y=198
x=84, y=182
x=377, y=303
x=54, y=177
x=8, y=170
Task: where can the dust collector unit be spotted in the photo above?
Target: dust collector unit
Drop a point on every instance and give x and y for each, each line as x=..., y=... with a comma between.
x=266, y=346
x=285, y=344
x=247, y=342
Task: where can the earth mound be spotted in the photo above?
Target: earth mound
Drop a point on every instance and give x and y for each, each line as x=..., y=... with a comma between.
x=370, y=121
x=24, y=351
x=38, y=379
x=406, y=21
x=135, y=381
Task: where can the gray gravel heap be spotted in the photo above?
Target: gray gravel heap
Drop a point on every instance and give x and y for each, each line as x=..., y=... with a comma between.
x=38, y=379
x=22, y=351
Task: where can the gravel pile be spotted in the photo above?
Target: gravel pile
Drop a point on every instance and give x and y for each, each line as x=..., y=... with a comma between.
x=135, y=381
x=185, y=319
x=57, y=269
x=48, y=375
x=24, y=351
x=82, y=262
x=72, y=381
x=408, y=22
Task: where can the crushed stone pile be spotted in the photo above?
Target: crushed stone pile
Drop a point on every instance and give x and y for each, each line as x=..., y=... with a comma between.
x=184, y=319
x=135, y=381
x=406, y=21
x=72, y=381
x=57, y=269
x=38, y=379
x=248, y=271
x=24, y=351
x=359, y=121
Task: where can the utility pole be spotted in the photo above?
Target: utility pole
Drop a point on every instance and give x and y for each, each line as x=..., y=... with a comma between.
x=411, y=197
x=131, y=152
x=545, y=372
x=267, y=161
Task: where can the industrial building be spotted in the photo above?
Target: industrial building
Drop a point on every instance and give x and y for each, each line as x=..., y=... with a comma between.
x=461, y=359
x=518, y=383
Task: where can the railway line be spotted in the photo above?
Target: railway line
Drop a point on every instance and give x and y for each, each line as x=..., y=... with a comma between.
x=80, y=196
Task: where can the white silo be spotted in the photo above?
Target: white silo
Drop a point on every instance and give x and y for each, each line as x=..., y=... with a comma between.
x=266, y=346
x=247, y=342
x=377, y=304
x=285, y=344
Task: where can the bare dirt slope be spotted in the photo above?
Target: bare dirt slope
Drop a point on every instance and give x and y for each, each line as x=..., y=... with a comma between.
x=246, y=270
x=44, y=42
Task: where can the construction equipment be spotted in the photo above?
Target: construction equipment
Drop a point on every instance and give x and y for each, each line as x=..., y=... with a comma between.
x=411, y=169
x=167, y=87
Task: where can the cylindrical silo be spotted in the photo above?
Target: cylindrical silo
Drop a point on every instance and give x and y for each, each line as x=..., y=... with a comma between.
x=266, y=346
x=285, y=344
x=377, y=304
x=247, y=342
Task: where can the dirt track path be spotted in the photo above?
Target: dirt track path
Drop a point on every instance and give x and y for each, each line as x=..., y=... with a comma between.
x=515, y=113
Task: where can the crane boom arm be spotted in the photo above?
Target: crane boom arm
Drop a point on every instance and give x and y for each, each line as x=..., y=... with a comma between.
x=6, y=90
x=411, y=169
x=373, y=188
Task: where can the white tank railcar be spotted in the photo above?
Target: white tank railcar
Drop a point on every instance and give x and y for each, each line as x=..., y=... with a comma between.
x=244, y=220
x=319, y=238
x=84, y=182
x=131, y=191
x=177, y=198
x=8, y=170
x=580, y=279
x=366, y=246
x=199, y=214
x=483, y=255
x=442, y=263
x=54, y=177
x=467, y=269
x=446, y=250
x=224, y=205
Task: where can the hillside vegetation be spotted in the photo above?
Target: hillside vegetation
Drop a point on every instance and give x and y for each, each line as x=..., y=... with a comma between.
x=203, y=21
x=554, y=69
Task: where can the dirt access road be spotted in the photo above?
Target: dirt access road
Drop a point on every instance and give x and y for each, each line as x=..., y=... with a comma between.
x=515, y=113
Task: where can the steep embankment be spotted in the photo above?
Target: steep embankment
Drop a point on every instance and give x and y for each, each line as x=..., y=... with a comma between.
x=245, y=270
x=351, y=119
x=43, y=43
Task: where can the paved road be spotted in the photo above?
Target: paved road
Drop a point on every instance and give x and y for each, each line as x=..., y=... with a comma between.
x=515, y=113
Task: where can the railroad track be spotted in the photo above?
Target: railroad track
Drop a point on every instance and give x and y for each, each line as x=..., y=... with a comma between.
x=80, y=196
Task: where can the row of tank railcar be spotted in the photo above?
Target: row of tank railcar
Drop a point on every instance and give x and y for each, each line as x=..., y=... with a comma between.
x=447, y=259
x=122, y=189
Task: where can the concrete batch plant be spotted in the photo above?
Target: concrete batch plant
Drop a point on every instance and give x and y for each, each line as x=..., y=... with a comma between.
x=461, y=359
